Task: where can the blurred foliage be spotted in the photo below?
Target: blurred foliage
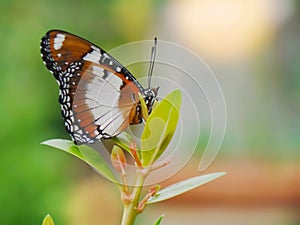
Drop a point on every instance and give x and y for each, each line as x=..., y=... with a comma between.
x=35, y=180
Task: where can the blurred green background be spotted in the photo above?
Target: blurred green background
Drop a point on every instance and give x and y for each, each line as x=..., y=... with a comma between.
x=252, y=45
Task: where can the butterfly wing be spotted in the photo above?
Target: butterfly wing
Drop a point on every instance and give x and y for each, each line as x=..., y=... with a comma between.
x=98, y=96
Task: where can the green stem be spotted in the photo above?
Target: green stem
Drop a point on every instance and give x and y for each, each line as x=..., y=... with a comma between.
x=130, y=210
x=129, y=215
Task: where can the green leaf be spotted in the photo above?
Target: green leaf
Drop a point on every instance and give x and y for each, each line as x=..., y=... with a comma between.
x=183, y=186
x=160, y=127
x=64, y=145
x=48, y=220
x=123, y=140
x=95, y=160
x=85, y=153
x=158, y=221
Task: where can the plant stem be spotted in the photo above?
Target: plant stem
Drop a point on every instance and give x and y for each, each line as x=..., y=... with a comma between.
x=130, y=210
x=129, y=215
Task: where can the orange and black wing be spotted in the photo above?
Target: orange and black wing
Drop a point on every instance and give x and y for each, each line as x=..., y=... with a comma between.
x=98, y=96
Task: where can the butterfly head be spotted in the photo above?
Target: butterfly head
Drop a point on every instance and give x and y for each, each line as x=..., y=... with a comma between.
x=150, y=97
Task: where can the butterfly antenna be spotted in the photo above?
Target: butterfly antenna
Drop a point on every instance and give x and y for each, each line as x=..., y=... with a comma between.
x=152, y=61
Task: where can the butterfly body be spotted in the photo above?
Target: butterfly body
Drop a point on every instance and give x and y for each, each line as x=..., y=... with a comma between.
x=99, y=97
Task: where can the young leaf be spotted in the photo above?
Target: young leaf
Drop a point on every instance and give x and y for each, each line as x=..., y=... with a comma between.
x=144, y=108
x=158, y=221
x=183, y=186
x=135, y=154
x=48, y=220
x=160, y=127
x=85, y=153
x=118, y=159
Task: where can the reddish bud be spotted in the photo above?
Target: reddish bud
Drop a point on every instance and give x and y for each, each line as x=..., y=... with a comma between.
x=135, y=154
x=118, y=159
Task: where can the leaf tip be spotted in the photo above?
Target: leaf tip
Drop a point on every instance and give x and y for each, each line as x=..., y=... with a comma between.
x=220, y=174
x=44, y=142
x=158, y=221
x=48, y=220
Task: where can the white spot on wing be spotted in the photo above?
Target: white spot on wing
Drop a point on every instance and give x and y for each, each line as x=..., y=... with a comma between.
x=93, y=56
x=58, y=41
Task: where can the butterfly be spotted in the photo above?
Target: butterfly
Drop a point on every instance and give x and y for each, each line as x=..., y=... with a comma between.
x=99, y=97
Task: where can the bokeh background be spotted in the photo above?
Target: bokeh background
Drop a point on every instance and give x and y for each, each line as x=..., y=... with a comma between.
x=253, y=47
